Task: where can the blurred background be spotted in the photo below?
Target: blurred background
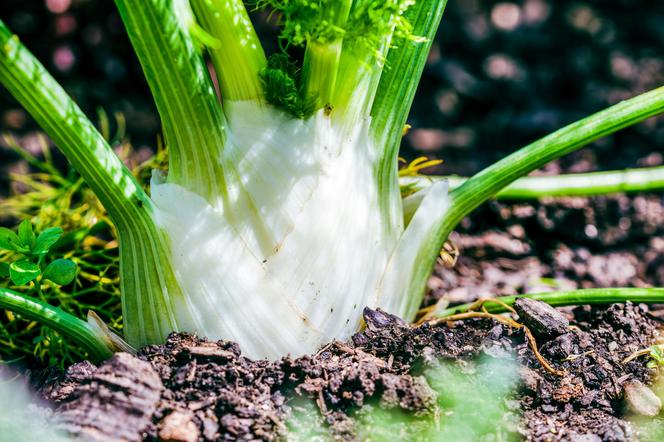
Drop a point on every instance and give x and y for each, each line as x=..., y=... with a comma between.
x=500, y=74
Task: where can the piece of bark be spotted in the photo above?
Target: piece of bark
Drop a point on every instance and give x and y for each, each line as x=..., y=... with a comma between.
x=114, y=403
x=542, y=319
x=377, y=319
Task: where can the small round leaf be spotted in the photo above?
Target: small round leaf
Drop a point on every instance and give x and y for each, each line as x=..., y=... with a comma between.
x=22, y=272
x=9, y=240
x=46, y=239
x=61, y=271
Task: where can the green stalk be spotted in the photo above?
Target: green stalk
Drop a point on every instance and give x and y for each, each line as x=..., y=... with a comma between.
x=237, y=55
x=321, y=60
x=494, y=178
x=394, y=98
x=645, y=179
x=563, y=298
x=191, y=116
x=404, y=66
x=67, y=325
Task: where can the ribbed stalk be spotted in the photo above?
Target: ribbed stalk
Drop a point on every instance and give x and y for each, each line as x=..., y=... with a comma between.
x=153, y=304
x=238, y=57
x=191, y=116
x=645, y=179
x=563, y=298
x=321, y=60
x=494, y=178
x=67, y=325
x=394, y=97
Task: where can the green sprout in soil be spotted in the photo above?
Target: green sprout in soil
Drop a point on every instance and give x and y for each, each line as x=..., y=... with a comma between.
x=655, y=355
x=280, y=213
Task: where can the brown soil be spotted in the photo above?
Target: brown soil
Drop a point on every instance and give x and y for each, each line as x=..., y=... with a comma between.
x=191, y=389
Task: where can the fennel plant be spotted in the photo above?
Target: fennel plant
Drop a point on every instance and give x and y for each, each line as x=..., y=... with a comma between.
x=280, y=215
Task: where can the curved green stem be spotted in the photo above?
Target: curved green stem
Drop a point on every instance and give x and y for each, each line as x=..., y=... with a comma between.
x=67, y=325
x=396, y=90
x=563, y=298
x=645, y=179
x=150, y=290
x=496, y=177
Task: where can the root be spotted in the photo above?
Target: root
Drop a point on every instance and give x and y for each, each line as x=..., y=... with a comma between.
x=473, y=313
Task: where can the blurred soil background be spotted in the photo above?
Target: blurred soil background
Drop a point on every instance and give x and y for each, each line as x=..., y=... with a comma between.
x=500, y=75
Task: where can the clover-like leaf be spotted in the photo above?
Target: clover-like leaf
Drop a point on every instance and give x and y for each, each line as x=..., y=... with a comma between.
x=60, y=271
x=26, y=235
x=22, y=272
x=10, y=241
x=46, y=239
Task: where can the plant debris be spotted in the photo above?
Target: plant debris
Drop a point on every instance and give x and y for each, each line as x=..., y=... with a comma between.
x=542, y=319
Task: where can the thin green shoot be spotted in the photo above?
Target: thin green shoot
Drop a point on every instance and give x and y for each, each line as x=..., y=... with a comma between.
x=643, y=179
x=563, y=298
x=80, y=332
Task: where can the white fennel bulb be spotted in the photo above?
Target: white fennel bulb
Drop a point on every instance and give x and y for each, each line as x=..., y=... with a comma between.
x=285, y=260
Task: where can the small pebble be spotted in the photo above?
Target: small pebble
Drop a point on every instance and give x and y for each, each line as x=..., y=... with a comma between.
x=178, y=427
x=641, y=399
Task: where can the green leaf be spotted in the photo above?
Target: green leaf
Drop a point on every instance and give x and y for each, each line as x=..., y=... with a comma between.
x=46, y=239
x=26, y=234
x=4, y=270
x=61, y=271
x=22, y=272
x=10, y=241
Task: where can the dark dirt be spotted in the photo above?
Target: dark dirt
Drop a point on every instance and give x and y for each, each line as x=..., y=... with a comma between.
x=196, y=390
